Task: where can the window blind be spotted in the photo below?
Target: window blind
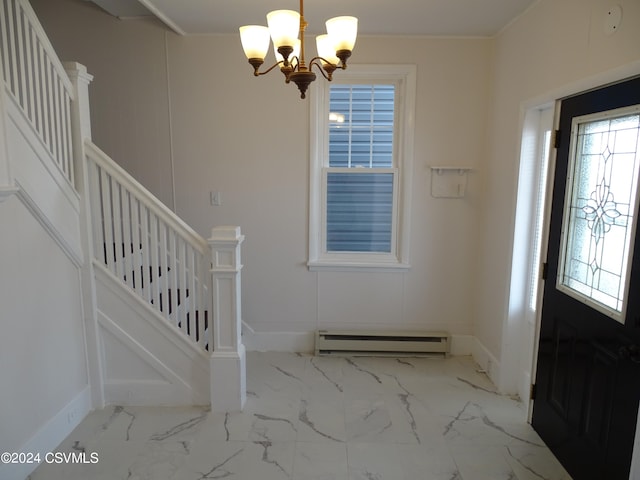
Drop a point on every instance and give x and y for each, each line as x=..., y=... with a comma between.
x=359, y=211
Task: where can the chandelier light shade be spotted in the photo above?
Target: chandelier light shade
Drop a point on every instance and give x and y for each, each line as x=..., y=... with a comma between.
x=286, y=29
x=284, y=26
x=343, y=31
x=255, y=40
x=326, y=50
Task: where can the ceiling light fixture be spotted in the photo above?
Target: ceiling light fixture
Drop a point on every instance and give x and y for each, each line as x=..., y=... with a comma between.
x=286, y=29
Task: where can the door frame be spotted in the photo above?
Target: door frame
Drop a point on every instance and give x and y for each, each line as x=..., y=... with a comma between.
x=544, y=247
x=535, y=122
x=516, y=357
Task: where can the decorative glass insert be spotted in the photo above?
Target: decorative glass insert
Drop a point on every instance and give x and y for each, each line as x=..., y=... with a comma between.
x=598, y=223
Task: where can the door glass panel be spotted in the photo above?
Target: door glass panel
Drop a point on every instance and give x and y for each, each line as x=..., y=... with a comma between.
x=601, y=201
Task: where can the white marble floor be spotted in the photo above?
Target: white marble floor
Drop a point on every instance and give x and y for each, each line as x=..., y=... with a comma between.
x=323, y=418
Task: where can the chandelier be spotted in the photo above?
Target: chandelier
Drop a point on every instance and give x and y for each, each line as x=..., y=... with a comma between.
x=286, y=29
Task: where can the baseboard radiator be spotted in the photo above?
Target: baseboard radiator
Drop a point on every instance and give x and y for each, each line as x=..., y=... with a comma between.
x=381, y=343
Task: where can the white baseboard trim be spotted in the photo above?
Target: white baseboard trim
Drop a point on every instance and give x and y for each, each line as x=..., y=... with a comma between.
x=302, y=342
x=486, y=360
x=50, y=435
x=461, y=345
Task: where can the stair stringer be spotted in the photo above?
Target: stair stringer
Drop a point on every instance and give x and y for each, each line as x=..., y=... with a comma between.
x=145, y=360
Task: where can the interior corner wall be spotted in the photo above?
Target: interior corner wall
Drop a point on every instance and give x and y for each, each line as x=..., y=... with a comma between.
x=247, y=138
x=128, y=94
x=186, y=117
x=557, y=48
x=44, y=376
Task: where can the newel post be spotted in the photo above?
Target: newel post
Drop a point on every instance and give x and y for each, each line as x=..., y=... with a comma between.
x=228, y=359
x=80, y=111
x=81, y=131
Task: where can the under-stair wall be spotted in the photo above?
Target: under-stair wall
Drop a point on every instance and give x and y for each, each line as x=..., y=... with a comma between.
x=145, y=362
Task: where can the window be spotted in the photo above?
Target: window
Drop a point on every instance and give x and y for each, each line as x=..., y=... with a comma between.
x=530, y=230
x=361, y=157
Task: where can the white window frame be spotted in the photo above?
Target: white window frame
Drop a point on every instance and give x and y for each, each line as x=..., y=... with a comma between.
x=404, y=77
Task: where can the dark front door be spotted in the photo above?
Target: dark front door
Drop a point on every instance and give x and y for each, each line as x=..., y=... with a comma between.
x=588, y=370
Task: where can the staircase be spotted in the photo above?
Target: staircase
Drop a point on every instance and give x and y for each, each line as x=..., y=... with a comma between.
x=150, y=250
x=161, y=303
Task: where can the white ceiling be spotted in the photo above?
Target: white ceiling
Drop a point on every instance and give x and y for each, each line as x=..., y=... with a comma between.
x=376, y=17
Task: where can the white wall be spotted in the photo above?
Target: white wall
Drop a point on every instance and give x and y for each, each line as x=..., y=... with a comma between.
x=225, y=130
x=556, y=49
x=185, y=114
x=232, y=138
x=196, y=110
x=44, y=375
x=129, y=98
x=44, y=380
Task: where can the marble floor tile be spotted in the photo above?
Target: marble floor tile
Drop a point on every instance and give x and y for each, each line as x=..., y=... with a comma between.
x=427, y=462
x=212, y=460
x=483, y=463
x=320, y=461
x=324, y=418
x=321, y=418
x=377, y=461
x=532, y=463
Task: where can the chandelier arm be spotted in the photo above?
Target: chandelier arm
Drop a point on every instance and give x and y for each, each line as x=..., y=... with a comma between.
x=257, y=73
x=315, y=59
x=326, y=70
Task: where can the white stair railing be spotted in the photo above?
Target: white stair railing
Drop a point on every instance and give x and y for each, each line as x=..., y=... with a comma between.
x=145, y=245
x=35, y=78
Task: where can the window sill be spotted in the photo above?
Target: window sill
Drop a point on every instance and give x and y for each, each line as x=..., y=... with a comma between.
x=319, y=266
